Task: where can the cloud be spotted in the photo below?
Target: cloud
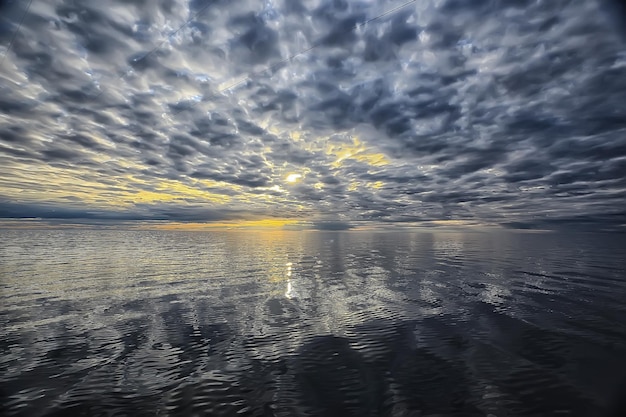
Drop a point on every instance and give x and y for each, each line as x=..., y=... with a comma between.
x=329, y=225
x=492, y=112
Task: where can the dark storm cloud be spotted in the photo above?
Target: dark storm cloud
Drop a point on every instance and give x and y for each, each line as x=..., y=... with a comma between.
x=248, y=180
x=60, y=154
x=616, y=12
x=492, y=111
x=16, y=210
x=612, y=222
x=162, y=212
x=330, y=225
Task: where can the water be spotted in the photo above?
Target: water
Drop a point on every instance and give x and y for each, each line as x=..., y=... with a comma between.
x=287, y=323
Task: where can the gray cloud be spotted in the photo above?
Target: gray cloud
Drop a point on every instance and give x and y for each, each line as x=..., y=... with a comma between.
x=506, y=112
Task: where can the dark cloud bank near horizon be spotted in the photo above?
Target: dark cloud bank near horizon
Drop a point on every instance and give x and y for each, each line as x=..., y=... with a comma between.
x=494, y=112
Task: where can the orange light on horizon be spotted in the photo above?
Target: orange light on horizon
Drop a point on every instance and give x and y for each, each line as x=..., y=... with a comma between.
x=224, y=225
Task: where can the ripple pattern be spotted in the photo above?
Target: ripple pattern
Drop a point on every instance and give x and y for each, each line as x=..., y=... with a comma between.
x=285, y=323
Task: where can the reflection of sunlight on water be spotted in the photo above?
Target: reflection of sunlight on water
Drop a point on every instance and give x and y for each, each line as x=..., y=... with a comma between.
x=289, y=293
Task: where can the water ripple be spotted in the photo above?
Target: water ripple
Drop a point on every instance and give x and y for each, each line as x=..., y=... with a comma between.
x=310, y=323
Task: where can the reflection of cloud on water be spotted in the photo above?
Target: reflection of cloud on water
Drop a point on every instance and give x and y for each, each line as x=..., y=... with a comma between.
x=259, y=316
x=495, y=293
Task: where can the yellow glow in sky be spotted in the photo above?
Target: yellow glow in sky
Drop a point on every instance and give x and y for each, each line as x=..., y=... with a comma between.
x=245, y=224
x=358, y=152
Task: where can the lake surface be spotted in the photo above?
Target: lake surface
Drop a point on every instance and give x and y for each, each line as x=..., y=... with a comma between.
x=285, y=323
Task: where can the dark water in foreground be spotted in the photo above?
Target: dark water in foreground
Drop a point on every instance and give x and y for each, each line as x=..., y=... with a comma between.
x=310, y=323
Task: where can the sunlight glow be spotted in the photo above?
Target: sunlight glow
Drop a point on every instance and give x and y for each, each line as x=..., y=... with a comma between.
x=240, y=224
x=357, y=151
x=293, y=177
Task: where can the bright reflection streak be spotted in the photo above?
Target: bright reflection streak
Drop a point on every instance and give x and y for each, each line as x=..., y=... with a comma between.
x=289, y=293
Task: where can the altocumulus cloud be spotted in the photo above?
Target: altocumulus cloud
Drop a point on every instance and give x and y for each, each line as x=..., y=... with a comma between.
x=498, y=112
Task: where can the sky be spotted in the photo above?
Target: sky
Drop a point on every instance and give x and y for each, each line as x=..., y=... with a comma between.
x=330, y=113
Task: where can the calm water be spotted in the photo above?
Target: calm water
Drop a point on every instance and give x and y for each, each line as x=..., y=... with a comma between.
x=310, y=323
